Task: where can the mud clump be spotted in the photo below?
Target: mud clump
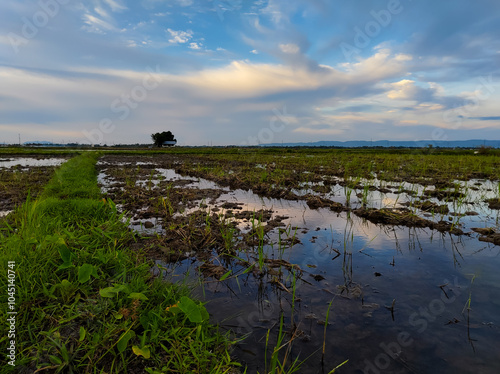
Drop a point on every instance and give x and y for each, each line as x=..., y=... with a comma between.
x=315, y=202
x=488, y=234
x=276, y=193
x=428, y=206
x=213, y=271
x=484, y=231
x=495, y=239
x=321, y=189
x=404, y=217
x=17, y=183
x=493, y=203
x=444, y=195
x=229, y=205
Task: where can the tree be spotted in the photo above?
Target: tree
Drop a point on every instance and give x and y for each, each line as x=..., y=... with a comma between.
x=160, y=138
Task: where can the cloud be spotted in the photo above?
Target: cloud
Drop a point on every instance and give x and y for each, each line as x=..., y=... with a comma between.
x=407, y=90
x=319, y=130
x=185, y=2
x=426, y=63
x=96, y=25
x=240, y=92
x=4, y=39
x=116, y=5
x=289, y=48
x=180, y=37
x=195, y=46
x=101, y=12
x=497, y=118
x=429, y=98
x=227, y=104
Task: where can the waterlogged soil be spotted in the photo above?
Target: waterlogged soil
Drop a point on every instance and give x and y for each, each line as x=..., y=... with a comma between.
x=21, y=177
x=412, y=276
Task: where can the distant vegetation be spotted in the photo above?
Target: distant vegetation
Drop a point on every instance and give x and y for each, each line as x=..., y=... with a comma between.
x=160, y=138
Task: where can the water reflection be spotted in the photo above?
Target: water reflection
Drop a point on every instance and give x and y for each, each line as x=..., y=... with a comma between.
x=398, y=293
x=27, y=162
x=379, y=278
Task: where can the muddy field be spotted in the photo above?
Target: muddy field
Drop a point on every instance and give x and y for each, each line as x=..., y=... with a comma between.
x=23, y=176
x=407, y=255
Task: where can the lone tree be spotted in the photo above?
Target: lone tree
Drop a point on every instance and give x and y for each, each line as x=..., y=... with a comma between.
x=160, y=138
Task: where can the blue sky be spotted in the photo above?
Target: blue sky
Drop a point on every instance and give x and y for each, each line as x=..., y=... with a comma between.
x=249, y=72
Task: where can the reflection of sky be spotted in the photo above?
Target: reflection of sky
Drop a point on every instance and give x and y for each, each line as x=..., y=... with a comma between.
x=347, y=252
x=29, y=162
x=422, y=260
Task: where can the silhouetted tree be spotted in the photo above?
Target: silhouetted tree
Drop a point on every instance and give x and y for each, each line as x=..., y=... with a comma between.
x=160, y=138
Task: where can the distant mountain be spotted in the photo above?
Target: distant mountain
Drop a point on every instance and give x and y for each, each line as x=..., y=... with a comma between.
x=391, y=143
x=40, y=142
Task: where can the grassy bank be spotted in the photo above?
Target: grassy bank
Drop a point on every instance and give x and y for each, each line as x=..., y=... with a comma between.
x=85, y=302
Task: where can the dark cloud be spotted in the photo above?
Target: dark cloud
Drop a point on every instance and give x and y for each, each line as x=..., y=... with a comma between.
x=486, y=118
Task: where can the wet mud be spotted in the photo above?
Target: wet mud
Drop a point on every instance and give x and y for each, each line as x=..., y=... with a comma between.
x=269, y=252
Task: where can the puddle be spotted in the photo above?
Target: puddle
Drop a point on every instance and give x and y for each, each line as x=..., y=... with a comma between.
x=363, y=268
x=21, y=177
x=470, y=211
x=400, y=295
x=30, y=162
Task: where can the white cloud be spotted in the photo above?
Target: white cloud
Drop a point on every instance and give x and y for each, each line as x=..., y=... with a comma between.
x=403, y=57
x=244, y=79
x=274, y=11
x=100, y=11
x=116, y=5
x=4, y=39
x=254, y=51
x=195, y=46
x=96, y=25
x=180, y=36
x=289, y=48
x=432, y=97
x=403, y=90
x=230, y=101
x=185, y=2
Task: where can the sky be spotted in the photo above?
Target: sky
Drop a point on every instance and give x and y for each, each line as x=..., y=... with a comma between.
x=242, y=72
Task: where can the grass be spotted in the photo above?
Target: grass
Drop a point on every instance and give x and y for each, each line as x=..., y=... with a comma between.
x=87, y=303
x=94, y=303
x=391, y=165
x=278, y=365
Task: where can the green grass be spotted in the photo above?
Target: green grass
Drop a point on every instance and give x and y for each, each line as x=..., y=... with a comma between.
x=87, y=303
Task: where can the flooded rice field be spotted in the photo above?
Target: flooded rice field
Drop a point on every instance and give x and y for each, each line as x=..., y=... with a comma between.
x=395, y=276
x=22, y=176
